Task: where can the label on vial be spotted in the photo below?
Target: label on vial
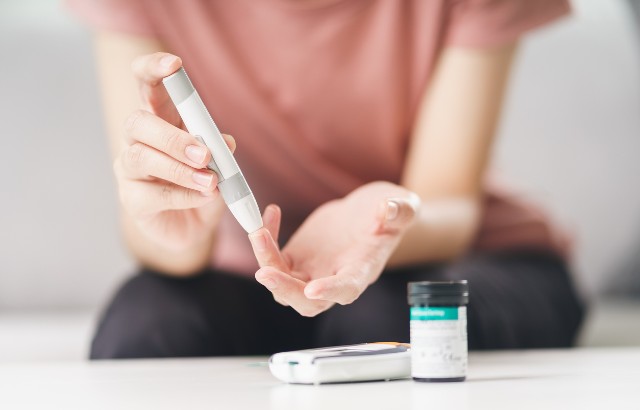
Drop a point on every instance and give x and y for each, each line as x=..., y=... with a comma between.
x=438, y=342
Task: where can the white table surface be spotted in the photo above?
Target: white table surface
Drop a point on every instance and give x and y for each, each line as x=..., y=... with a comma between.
x=563, y=379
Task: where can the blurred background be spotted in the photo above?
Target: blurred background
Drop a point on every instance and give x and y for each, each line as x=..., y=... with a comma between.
x=570, y=138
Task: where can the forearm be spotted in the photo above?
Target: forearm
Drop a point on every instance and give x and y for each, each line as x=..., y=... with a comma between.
x=160, y=244
x=450, y=150
x=443, y=230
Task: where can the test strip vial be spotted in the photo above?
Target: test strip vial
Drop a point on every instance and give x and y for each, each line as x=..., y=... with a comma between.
x=438, y=323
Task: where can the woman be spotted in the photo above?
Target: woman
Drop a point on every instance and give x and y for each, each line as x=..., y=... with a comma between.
x=370, y=123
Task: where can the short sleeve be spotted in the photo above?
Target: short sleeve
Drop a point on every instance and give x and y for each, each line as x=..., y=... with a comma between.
x=126, y=16
x=485, y=23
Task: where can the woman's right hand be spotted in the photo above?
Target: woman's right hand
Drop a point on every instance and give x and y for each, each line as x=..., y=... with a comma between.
x=162, y=178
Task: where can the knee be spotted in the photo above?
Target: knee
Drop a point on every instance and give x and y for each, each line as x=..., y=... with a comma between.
x=521, y=300
x=151, y=316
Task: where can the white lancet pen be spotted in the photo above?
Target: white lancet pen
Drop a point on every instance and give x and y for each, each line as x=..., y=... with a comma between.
x=231, y=183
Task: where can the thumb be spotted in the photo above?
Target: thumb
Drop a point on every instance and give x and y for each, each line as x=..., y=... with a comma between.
x=149, y=70
x=397, y=214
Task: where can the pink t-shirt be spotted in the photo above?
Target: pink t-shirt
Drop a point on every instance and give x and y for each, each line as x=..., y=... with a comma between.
x=321, y=95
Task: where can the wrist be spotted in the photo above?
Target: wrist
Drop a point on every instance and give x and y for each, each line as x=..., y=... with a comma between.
x=443, y=230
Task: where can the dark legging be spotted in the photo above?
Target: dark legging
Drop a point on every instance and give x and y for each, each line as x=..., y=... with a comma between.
x=517, y=300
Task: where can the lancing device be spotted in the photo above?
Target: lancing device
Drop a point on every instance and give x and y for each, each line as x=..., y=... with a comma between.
x=231, y=183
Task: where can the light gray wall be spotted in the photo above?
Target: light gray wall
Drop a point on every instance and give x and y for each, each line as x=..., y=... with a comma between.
x=571, y=135
x=570, y=138
x=59, y=240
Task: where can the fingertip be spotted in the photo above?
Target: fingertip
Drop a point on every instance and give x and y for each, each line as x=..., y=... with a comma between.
x=258, y=239
x=392, y=210
x=386, y=217
x=261, y=232
x=231, y=142
x=211, y=191
x=258, y=232
x=206, y=159
x=169, y=62
x=271, y=218
x=396, y=214
x=261, y=273
x=267, y=272
x=270, y=213
x=414, y=201
x=150, y=68
x=275, y=208
x=266, y=279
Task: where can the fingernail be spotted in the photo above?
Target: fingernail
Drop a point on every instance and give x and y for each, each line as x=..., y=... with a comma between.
x=196, y=153
x=202, y=178
x=208, y=194
x=259, y=242
x=267, y=282
x=392, y=211
x=268, y=215
x=167, y=61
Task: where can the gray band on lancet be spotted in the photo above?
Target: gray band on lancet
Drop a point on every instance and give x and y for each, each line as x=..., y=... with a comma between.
x=234, y=188
x=178, y=86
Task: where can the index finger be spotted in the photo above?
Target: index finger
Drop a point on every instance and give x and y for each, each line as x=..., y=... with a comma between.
x=149, y=70
x=153, y=131
x=267, y=251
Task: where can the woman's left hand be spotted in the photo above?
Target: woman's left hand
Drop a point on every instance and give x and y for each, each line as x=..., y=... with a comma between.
x=340, y=249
